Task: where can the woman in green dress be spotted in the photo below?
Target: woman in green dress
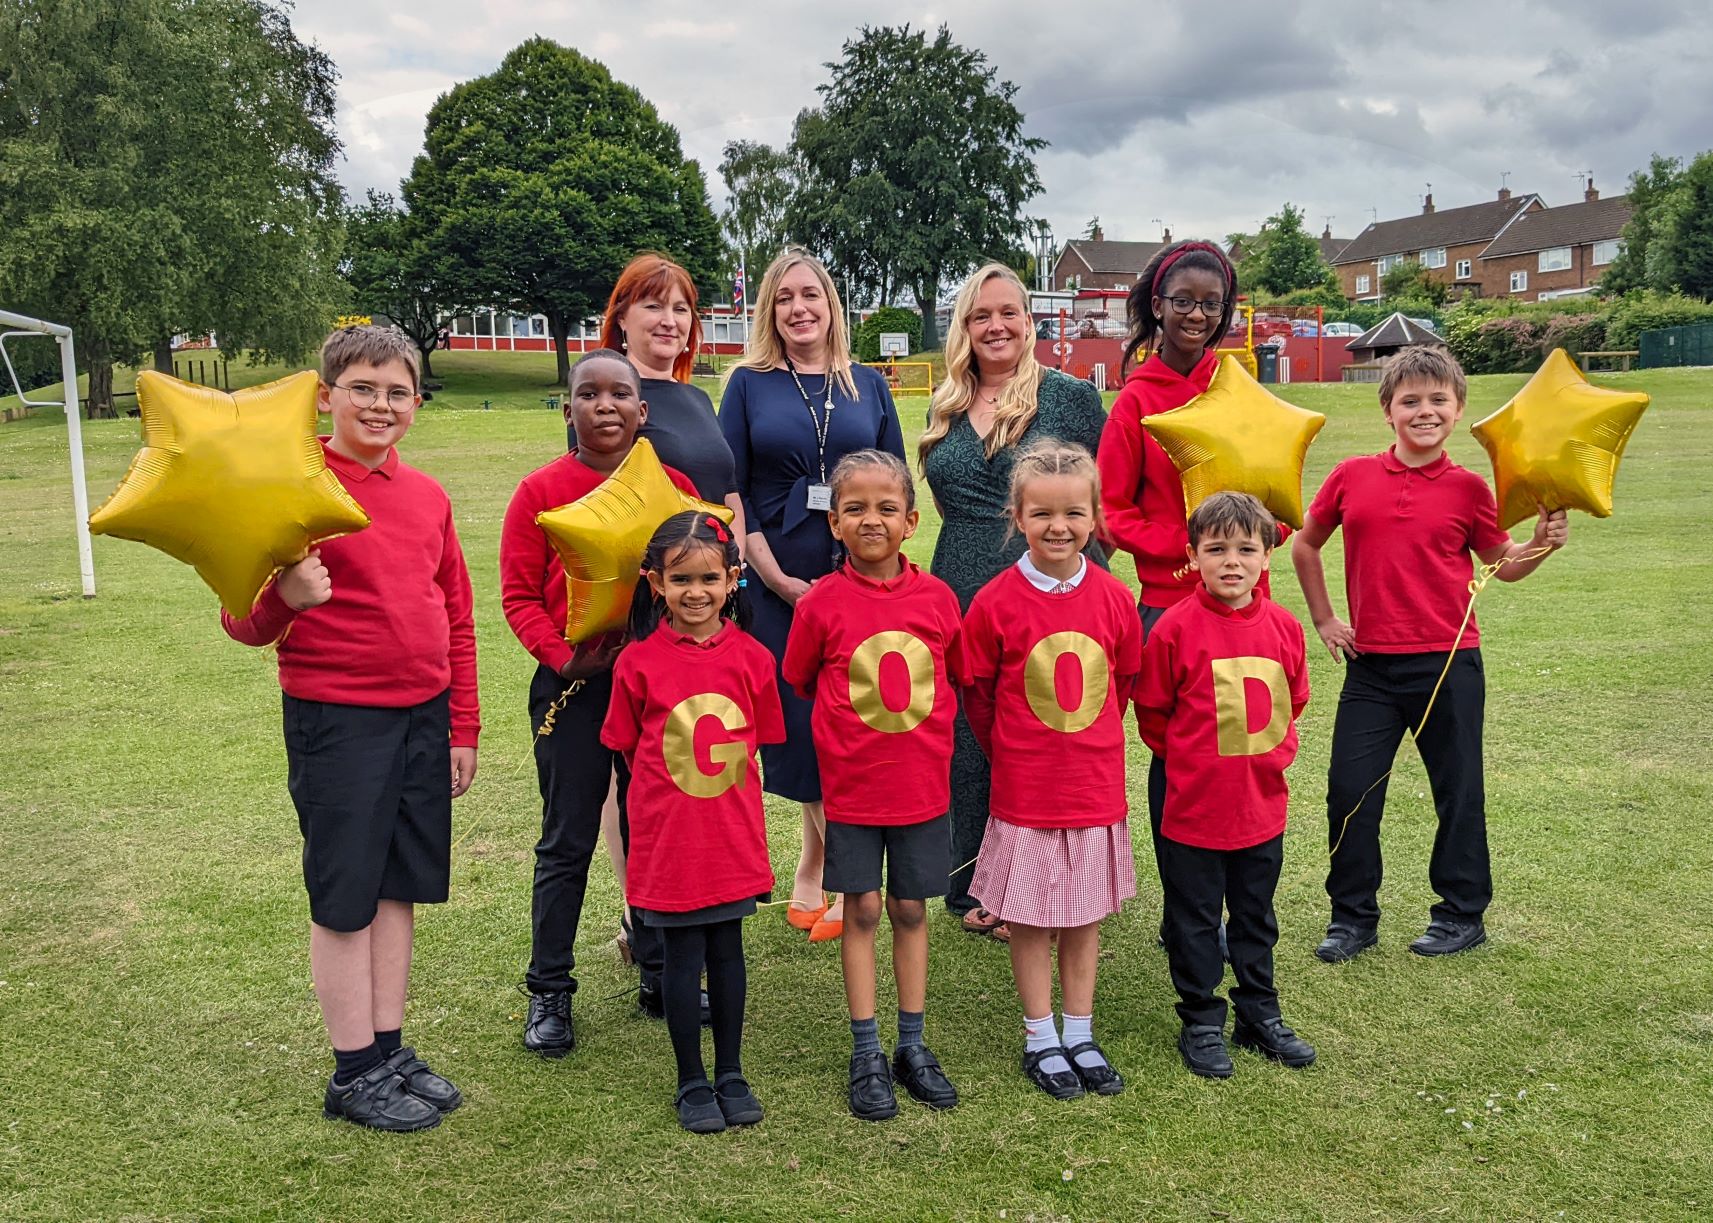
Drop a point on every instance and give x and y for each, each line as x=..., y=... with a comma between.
x=995, y=400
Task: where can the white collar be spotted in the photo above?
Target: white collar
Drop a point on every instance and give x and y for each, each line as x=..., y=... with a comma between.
x=1051, y=585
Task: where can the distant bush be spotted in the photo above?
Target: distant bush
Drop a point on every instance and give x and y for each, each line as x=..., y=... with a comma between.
x=1639, y=311
x=1502, y=336
x=866, y=341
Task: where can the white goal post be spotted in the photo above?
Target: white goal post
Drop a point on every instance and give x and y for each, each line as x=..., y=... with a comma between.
x=21, y=325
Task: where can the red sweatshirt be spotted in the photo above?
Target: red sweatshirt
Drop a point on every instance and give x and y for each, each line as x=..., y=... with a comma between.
x=532, y=579
x=1050, y=676
x=1218, y=700
x=882, y=661
x=399, y=628
x=1141, y=494
x=688, y=717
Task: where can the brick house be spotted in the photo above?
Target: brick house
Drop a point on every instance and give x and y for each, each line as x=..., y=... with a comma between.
x=1095, y=263
x=1449, y=244
x=1555, y=252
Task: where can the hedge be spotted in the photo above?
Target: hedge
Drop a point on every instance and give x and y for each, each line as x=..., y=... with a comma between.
x=866, y=341
x=1501, y=336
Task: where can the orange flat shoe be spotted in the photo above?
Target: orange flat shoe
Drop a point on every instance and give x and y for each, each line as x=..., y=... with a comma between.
x=824, y=931
x=801, y=918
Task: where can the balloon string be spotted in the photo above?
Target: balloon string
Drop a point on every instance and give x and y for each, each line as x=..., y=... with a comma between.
x=541, y=732
x=1476, y=585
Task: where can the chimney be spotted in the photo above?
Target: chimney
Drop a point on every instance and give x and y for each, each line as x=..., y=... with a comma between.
x=1098, y=235
x=1326, y=234
x=1589, y=194
x=1504, y=193
x=1427, y=203
x=1166, y=236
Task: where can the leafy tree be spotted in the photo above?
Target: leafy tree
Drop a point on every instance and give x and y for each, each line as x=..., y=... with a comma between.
x=1650, y=189
x=1283, y=257
x=1680, y=256
x=759, y=180
x=1091, y=229
x=165, y=168
x=1411, y=281
x=915, y=165
x=390, y=272
x=540, y=181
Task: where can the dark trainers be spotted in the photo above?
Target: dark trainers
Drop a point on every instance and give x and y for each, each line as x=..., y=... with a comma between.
x=380, y=1101
x=919, y=1070
x=1448, y=936
x=1273, y=1040
x=1099, y=1078
x=1203, y=1048
x=737, y=1102
x=1345, y=942
x=871, y=1088
x=422, y=1082
x=653, y=1003
x=698, y=1108
x=548, y=1029
x=1060, y=1084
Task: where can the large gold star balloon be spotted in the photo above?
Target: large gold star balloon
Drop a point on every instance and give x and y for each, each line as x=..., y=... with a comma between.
x=235, y=485
x=601, y=538
x=1557, y=443
x=1238, y=436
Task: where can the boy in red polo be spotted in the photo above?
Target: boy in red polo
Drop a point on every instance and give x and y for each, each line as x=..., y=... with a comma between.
x=1411, y=518
x=1223, y=683
x=377, y=657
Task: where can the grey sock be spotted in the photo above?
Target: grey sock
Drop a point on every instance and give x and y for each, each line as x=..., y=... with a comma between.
x=910, y=1029
x=865, y=1037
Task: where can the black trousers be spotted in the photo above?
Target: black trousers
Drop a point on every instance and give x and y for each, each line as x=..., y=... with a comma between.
x=574, y=771
x=1156, y=778
x=1384, y=696
x=1200, y=883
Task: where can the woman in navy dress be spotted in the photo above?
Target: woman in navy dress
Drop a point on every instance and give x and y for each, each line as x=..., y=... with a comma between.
x=793, y=407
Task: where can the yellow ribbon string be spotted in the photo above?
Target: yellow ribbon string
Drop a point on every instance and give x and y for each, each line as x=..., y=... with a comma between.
x=1476, y=585
x=541, y=732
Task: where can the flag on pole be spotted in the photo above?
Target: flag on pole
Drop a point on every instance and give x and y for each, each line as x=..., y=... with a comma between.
x=737, y=290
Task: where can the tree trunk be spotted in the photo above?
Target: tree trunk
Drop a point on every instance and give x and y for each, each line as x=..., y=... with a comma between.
x=926, y=294
x=561, y=331
x=163, y=356
x=426, y=347
x=100, y=398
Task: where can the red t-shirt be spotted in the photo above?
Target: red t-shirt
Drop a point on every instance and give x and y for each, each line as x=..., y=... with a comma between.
x=1053, y=729
x=1218, y=700
x=688, y=717
x=532, y=579
x=399, y=628
x=1408, y=533
x=885, y=749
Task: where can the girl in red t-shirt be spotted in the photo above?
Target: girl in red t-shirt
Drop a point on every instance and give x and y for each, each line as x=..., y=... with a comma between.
x=694, y=696
x=1053, y=646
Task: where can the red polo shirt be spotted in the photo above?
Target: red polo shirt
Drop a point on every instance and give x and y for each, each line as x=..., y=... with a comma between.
x=1050, y=676
x=882, y=661
x=688, y=717
x=1218, y=700
x=399, y=628
x=1408, y=533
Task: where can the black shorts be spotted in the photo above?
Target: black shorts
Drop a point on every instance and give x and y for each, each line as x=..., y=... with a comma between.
x=373, y=789
x=918, y=858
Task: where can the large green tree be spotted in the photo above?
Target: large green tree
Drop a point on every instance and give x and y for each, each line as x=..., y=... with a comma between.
x=1649, y=192
x=390, y=271
x=166, y=167
x=1282, y=257
x=759, y=180
x=1681, y=255
x=540, y=181
x=915, y=165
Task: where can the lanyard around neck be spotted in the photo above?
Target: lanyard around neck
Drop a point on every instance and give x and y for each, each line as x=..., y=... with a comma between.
x=823, y=424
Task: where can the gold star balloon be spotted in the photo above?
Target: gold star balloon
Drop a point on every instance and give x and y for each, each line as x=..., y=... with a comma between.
x=233, y=484
x=1557, y=443
x=1238, y=436
x=601, y=538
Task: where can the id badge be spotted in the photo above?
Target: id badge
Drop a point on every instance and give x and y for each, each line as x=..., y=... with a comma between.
x=820, y=497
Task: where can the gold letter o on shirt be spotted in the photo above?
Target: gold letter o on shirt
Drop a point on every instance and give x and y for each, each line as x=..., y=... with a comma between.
x=1043, y=693
x=865, y=682
x=1232, y=705
x=678, y=741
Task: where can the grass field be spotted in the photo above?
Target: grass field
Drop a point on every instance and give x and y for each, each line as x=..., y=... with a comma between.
x=161, y=1054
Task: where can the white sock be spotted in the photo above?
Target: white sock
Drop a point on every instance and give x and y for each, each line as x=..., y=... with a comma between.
x=1041, y=1034
x=1079, y=1029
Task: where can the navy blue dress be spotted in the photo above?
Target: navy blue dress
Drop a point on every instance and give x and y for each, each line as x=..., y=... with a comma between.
x=776, y=458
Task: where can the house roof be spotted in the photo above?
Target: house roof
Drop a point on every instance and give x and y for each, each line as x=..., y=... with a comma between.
x=1568, y=225
x=1330, y=247
x=1394, y=331
x=1114, y=258
x=1446, y=227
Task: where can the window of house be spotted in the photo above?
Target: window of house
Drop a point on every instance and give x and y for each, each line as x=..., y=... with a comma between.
x=1434, y=258
x=1388, y=262
x=1362, y=284
x=1555, y=259
x=1606, y=252
x=1519, y=281
x=1463, y=269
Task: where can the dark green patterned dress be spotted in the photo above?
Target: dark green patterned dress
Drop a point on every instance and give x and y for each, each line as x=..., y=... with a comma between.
x=971, y=492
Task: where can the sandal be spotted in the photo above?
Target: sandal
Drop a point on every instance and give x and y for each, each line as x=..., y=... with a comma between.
x=801, y=918
x=979, y=921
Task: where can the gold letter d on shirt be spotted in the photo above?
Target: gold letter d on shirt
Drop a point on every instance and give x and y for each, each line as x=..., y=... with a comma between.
x=678, y=741
x=1231, y=705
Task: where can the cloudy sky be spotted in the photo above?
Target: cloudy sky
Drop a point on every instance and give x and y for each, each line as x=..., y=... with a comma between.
x=1203, y=118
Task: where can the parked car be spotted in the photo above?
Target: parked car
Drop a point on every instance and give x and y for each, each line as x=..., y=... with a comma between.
x=1343, y=329
x=1426, y=324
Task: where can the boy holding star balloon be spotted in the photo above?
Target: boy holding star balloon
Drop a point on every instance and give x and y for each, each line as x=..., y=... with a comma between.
x=1411, y=518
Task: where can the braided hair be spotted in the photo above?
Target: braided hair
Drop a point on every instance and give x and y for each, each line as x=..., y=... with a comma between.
x=673, y=540
x=1155, y=281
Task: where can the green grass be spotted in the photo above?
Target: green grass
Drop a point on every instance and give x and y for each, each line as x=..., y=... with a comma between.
x=161, y=1054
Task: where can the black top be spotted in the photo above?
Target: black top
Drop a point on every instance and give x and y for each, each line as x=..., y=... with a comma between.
x=686, y=435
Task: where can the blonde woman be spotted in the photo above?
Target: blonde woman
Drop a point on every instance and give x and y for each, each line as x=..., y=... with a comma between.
x=793, y=407
x=995, y=400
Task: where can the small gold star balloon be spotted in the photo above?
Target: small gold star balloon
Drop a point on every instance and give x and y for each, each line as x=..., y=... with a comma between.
x=1237, y=436
x=1558, y=441
x=601, y=538
x=233, y=484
